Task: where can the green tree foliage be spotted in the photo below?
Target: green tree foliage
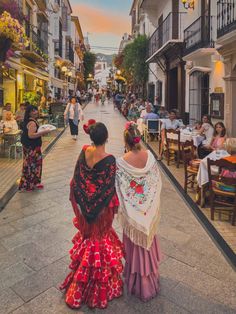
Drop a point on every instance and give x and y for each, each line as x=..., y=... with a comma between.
x=135, y=55
x=89, y=63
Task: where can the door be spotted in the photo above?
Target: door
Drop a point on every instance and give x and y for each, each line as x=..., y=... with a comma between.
x=198, y=96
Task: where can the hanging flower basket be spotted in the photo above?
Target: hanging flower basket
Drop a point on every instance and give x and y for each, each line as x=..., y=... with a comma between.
x=11, y=31
x=5, y=45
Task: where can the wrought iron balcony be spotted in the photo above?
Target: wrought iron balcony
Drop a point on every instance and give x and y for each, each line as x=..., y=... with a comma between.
x=199, y=35
x=38, y=47
x=170, y=30
x=226, y=17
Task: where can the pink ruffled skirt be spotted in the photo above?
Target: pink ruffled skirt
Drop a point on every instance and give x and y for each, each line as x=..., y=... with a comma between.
x=141, y=269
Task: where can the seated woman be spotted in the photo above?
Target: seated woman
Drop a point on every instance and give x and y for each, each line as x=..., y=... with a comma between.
x=10, y=123
x=207, y=130
x=217, y=141
x=219, y=136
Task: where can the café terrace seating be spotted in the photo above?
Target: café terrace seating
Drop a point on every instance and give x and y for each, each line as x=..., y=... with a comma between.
x=222, y=188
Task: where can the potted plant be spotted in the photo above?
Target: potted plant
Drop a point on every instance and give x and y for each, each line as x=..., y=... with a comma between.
x=11, y=31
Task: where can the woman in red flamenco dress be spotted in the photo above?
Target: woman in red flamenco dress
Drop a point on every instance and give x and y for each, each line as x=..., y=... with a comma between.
x=96, y=265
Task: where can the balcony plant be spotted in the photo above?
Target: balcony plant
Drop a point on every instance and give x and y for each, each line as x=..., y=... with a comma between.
x=32, y=97
x=11, y=31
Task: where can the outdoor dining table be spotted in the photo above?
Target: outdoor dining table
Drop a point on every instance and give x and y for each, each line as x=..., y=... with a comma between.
x=10, y=136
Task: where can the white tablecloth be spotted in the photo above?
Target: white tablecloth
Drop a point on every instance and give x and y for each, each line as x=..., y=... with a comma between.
x=202, y=175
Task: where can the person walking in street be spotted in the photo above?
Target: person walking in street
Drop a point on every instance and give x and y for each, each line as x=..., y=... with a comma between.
x=138, y=184
x=73, y=114
x=96, y=266
x=31, y=140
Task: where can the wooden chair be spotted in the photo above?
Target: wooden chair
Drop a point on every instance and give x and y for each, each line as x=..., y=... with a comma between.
x=172, y=145
x=222, y=189
x=190, y=168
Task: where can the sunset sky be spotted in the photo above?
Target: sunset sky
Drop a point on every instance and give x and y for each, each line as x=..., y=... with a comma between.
x=105, y=21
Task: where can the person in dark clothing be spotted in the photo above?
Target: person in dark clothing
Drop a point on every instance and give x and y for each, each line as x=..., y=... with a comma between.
x=31, y=140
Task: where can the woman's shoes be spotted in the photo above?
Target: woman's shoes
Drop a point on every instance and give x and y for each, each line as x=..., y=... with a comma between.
x=39, y=186
x=159, y=157
x=74, y=137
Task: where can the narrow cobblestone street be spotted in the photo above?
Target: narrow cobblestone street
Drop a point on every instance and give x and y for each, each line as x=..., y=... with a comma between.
x=36, y=231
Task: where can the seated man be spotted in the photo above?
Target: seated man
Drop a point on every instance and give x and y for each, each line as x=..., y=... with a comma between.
x=171, y=123
x=149, y=115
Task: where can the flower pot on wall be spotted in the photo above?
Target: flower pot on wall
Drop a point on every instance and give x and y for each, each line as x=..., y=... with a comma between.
x=5, y=45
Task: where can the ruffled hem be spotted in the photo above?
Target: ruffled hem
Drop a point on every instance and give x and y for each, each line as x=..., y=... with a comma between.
x=141, y=269
x=96, y=268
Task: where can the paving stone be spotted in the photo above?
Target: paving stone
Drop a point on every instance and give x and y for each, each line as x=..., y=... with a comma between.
x=174, y=235
x=29, y=235
x=6, y=230
x=9, y=301
x=32, y=220
x=51, y=275
x=214, y=288
x=195, y=302
x=49, y=302
x=13, y=274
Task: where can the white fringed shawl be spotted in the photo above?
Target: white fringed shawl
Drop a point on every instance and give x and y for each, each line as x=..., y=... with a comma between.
x=139, y=195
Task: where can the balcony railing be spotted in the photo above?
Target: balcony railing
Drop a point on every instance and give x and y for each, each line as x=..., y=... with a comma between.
x=199, y=35
x=170, y=29
x=226, y=17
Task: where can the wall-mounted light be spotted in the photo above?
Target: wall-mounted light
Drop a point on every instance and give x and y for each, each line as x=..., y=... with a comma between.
x=188, y=4
x=64, y=69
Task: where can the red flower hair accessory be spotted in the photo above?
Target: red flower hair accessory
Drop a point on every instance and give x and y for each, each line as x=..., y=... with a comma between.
x=88, y=124
x=137, y=139
x=129, y=125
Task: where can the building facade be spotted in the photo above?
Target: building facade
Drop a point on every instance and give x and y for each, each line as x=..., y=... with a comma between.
x=191, y=56
x=52, y=63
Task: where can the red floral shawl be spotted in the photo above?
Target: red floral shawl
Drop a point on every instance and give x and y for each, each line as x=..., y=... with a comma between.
x=93, y=189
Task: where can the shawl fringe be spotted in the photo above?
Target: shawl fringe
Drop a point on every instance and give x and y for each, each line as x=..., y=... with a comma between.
x=136, y=236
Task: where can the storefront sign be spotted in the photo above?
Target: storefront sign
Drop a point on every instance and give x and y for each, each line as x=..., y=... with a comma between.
x=218, y=90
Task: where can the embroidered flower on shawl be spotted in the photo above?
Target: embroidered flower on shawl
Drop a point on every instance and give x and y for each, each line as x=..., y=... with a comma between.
x=132, y=184
x=139, y=189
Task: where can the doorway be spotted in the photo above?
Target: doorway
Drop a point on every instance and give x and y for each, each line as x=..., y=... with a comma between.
x=198, y=96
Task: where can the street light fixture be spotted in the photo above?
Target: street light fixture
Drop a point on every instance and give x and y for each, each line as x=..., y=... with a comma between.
x=188, y=4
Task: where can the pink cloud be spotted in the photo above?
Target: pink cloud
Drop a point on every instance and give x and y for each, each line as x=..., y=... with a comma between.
x=96, y=20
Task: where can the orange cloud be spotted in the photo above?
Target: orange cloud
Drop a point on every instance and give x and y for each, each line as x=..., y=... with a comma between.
x=96, y=20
